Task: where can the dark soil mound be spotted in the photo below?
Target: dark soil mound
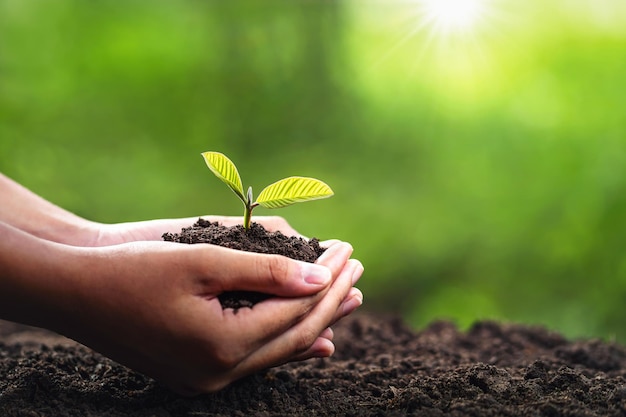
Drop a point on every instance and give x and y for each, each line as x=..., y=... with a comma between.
x=381, y=368
x=257, y=239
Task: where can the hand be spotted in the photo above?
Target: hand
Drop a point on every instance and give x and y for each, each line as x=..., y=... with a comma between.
x=153, y=306
x=30, y=213
x=113, y=234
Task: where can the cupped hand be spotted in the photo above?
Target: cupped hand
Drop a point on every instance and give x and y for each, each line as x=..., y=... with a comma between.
x=153, y=306
x=113, y=234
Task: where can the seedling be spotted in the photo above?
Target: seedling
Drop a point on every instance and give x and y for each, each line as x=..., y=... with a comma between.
x=282, y=193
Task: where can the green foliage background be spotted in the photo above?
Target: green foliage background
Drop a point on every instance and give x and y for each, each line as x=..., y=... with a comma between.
x=477, y=177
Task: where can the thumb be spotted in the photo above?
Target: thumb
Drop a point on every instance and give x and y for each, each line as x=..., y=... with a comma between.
x=279, y=275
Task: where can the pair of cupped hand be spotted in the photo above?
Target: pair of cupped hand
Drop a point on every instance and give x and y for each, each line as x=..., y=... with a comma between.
x=153, y=305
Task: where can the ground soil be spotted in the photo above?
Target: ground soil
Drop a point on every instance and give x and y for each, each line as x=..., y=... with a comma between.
x=381, y=367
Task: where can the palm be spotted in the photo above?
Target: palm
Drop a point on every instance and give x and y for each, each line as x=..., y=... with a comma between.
x=114, y=234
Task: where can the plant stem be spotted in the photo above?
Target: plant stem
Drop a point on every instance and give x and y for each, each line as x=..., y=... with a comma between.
x=246, y=217
x=249, y=206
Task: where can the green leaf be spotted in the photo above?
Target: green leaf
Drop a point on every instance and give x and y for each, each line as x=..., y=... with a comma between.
x=225, y=170
x=293, y=190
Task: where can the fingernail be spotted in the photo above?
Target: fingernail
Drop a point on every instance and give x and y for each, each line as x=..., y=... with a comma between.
x=352, y=304
x=315, y=274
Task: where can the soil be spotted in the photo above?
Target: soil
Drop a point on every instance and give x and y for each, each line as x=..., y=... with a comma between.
x=381, y=367
x=257, y=239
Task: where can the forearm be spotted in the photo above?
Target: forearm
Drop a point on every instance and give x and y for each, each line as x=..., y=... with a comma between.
x=31, y=213
x=35, y=287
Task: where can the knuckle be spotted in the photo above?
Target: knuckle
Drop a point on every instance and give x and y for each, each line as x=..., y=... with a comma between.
x=217, y=357
x=305, y=340
x=226, y=358
x=277, y=268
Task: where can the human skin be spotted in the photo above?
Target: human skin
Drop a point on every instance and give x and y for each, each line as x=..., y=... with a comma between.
x=153, y=305
x=31, y=213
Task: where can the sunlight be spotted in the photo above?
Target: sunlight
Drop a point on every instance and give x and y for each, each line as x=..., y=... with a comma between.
x=452, y=16
x=449, y=46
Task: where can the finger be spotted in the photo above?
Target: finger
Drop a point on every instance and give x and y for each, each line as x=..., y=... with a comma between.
x=303, y=336
x=335, y=256
x=248, y=329
x=353, y=300
x=259, y=326
x=254, y=327
x=320, y=348
x=358, y=270
x=233, y=270
x=328, y=243
x=328, y=334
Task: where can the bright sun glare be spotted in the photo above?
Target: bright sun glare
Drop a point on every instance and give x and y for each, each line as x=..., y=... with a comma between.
x=447, y=17
x=448, y=36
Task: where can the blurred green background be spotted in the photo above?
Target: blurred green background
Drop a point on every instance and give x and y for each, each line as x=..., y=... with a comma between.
x=479, y=169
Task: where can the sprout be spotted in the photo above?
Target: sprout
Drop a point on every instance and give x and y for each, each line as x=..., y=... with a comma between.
x=282, y=193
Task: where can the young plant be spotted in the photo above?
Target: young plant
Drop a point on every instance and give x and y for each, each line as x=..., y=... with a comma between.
x=279, y=194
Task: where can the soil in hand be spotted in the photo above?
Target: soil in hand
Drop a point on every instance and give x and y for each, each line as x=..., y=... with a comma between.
x=256, y=239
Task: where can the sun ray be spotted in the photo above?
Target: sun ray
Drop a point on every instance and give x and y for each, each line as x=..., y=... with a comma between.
x=447, y=17
x=450, y=45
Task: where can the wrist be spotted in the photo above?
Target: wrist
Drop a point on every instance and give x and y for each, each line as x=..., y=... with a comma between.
x=79, y=232
x=37, y=279
x=26, y=211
